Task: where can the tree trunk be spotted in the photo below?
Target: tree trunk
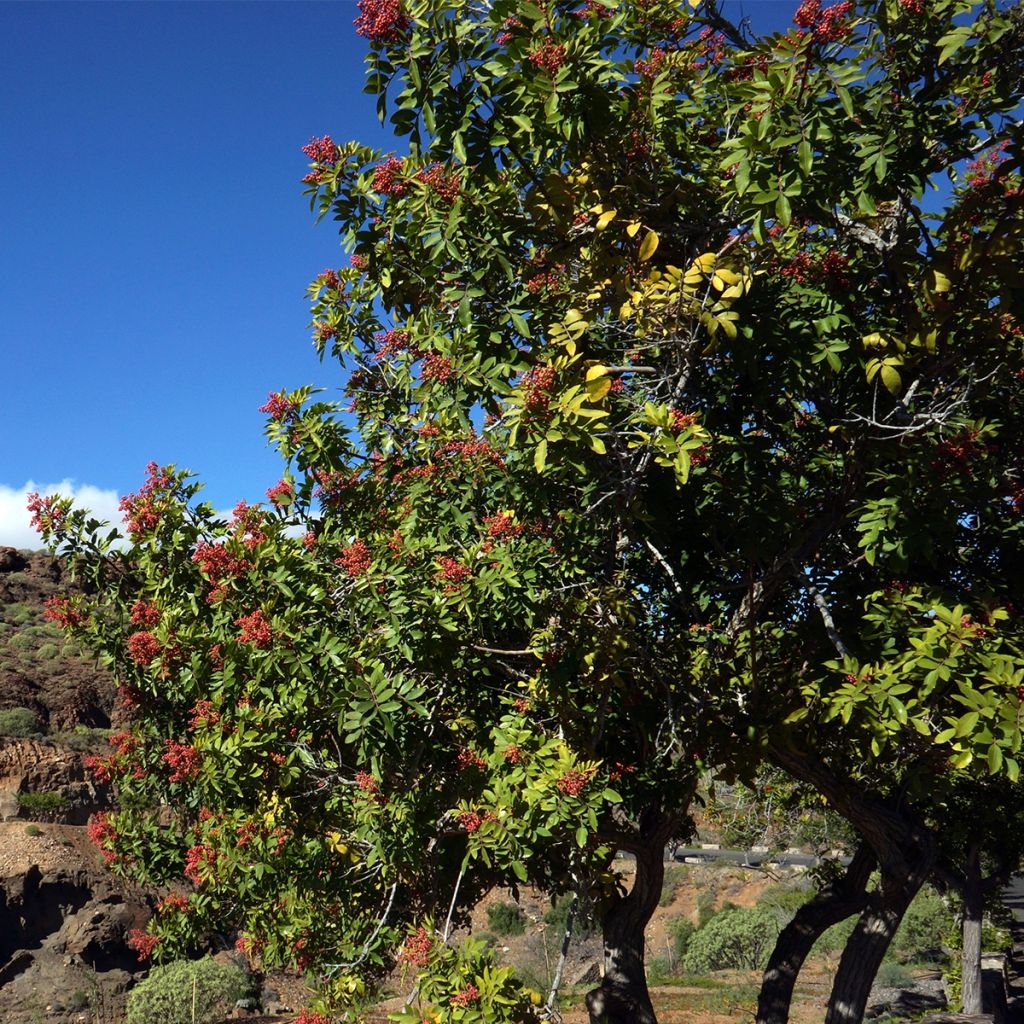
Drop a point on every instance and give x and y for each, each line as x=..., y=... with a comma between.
x=875, y=930
x=970, y=958
x=835, y=902
x=622, y=997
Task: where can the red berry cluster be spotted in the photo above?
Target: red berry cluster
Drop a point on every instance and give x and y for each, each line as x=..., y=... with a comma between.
x=381, y=21
x=144, y=613
x=309, y=1017
x=957, y=455
x=47, y=513
x=913, y=7
x=390, y=343
x=143, y=943
x=203, y=713
x=467, y=758
x=142, y=511
x=282, y=494
x=548, y=57
x=507, y=31
x=277, y=407
x=573, y=782
x=417, y=948
x=174, y=903
x=650, y=68
x=255, y=630
x=388, y=178
x=546, y=280
x=250, y=520
x=470, y=994
x=63, y=611
x=323, y=331
x=453, y=572
x=143, y=647
x=102, y=833
x=681, y=420
x=322, y=151
x=514, y=754
x=537, y=384
x=366, y=783
x=470, y=820
x=444, y=186
x=355, y=559
x=220, y=566
x=826, y=26
x=437, y=367
x=184, y=760
x=200, y=859
x=521, y=704
x=711, y=46
x=502, y=526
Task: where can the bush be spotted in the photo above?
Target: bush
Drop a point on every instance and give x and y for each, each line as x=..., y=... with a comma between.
x=735, y=938
x=33, y=831
x=893, y=975
x=47, y=652
x=924, y=927
x=18, y=722
x=41, y=803
x=166, y=995
x=506, y=919
x=680, y=931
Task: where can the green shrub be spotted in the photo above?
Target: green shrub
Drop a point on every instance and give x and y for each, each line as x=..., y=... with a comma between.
x=18, y=722
x=680, y=931
x=33, y=830
x=41, y=803
x=506, y=919
x=734, y=938
x=47, y=652
x=785, y=900
x=893, y=975
x=660, y=971
x=166, y=995
x=924, y=927
x=22, y=642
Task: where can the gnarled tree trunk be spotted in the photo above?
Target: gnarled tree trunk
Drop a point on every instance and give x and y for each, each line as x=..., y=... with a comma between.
x=622, y=997
x=902, y=878
x=835, y=902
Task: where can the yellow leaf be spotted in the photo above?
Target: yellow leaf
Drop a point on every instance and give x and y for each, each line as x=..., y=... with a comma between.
x=648, y=245
x=596, y=371
x=941, y=283
x=597, y=389
x=605, y=219
x=632, y=228
x=598, y=446
x=705, y=262
x=540, y=456
x=891, y=378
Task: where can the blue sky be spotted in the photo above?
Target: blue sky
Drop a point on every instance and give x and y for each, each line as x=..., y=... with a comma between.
x=155, y=246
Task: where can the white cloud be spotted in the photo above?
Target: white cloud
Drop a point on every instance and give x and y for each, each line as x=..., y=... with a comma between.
x=15, y=528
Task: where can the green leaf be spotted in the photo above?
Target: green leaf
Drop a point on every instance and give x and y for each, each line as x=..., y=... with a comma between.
x=805, y=154
x=581, y=837
x=995, y=759
x=540, y=456
x=783, y=211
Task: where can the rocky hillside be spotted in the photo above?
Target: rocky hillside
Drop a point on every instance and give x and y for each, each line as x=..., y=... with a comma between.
x=61, y=685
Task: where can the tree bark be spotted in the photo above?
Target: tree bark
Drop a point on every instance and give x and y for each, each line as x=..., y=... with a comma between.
x=835, y=902
x=970, y=957
x=875, y=930
x=622, y=997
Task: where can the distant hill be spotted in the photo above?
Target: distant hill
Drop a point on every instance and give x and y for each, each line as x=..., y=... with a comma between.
x=63, y=686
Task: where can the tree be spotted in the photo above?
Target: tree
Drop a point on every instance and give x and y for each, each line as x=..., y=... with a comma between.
x=680, y=432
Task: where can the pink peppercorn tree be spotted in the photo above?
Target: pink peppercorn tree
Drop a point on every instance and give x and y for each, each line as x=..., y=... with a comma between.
x=678, y=431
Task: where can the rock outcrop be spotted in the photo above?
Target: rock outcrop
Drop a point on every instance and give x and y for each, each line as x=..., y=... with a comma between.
x=64, y=925
x=30, y=766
